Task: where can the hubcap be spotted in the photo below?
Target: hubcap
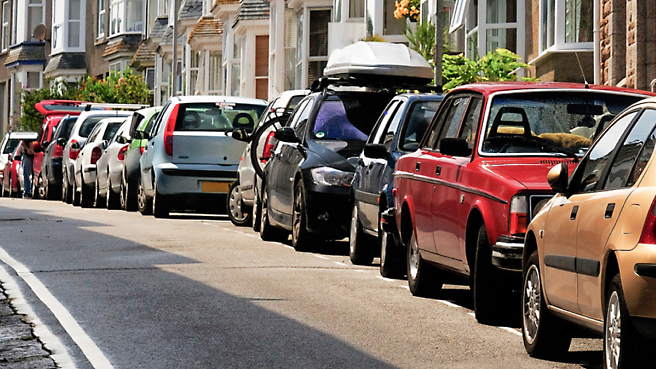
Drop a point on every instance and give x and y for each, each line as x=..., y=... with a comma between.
x=532, y=298
x=236, y=203
x=613, y=333
x=263, y=218
x=414, y=259
x=141, y=197
x=297, y=215
x=353, y=238
x=383, y=243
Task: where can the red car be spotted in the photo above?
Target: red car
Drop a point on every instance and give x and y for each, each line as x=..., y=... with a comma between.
x=463, y=200
x=54, y=111
x=12, y=181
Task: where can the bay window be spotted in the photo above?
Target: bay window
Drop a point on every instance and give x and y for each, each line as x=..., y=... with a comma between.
x=35, y=16
x=74, y=23
x=311, y=51
x=290, y=48
x=14, y=22
x=565, y=25
x=68, y=25
x=214, y=70
x=348, y=9
x=5, y=25
x=126, y=16
x=235, y=71
x=101, y=17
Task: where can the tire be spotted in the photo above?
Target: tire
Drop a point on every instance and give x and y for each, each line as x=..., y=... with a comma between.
x=87, y=195
x=5, y=193
x=544, y=335
x=11, y=189
x=144, y=203
x=360, y=244
x=391, y=255
x=239, y=214
x=423, y=279
x=161, y=205
x=129, y=200
x=76, y=194
x=98, y=201
x=301, y=237
x=485, y=283
x=67, y=190
x=112, y=200
x=623, y=346
x=256, y=213
x=269, y=232
x=52, y=192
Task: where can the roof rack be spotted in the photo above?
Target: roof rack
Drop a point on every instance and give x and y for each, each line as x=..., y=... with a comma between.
x=89, y=106
x=390, y=83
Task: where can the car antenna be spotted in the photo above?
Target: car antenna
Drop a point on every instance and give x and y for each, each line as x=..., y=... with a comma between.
x=587, y=86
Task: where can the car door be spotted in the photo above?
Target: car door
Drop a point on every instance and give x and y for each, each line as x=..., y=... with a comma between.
x=447, y=214
x=146, y=161
x=601, y=211
x=285, y=159
x=369, y=170
x=561, y=234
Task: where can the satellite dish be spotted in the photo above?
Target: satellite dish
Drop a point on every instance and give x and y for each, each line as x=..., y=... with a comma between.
x=40, y=32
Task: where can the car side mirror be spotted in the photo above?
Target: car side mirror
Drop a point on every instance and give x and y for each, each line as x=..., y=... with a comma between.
x=375, y=151
x=61, y=141
x=104, y=144
x=454, y=147
x=557, y=178
x=240, y=134
x=286, y=134
x=141, y=135
x=75, y=146
x=122, y=140
x=18, y=157
x=45, y=144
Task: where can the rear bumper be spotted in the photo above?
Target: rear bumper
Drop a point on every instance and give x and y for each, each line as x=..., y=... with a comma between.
x=507, y=253
x=205, y=179
x=328, y=210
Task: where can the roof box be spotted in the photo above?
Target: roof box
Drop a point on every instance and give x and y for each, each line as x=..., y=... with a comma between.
x=379, y=63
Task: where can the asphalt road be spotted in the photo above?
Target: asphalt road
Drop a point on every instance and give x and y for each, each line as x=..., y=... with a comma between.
x=117, y=289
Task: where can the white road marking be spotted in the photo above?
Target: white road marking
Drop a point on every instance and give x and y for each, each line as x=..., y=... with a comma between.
x=449, y=303
x=406, y=287
x=385, y=279
x=321, y=257
x=512, y=330
x=250, y=235
x=287, y=246
x=77, y=334
x=338, y=263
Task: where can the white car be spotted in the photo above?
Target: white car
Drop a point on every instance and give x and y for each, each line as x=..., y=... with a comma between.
x=9, y=143
x=89, y=154
x=83, y=127
x=109, y=167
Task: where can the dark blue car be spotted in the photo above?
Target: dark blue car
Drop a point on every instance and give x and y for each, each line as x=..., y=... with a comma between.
x=397, y=132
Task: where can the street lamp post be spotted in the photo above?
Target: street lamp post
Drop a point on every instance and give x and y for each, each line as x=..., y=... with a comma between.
x=174, y=67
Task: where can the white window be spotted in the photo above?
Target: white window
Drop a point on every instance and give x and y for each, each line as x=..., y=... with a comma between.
x=215, y=73
x=126, y=16
x=115, y=67
x=494, y=24
x=311, y=60
x=33, y=80
x=74, y=24
x=102, y=5
x=68, y=25
x=235, y=71
x=565, y=24
x=150, y=78
x=35, y=16
x=348, y=9
x=14, y=22
x=163, y=7
x=117, y=10
x=290, y=49
x=5, y=25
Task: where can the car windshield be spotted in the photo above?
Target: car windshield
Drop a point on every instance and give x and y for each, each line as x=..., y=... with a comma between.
x=217, y=117
x=88, y=124
x=555, y=122
x=348, y=117
x=12, y=144
x=110, y=131
x=420, y=114
x=65, y=127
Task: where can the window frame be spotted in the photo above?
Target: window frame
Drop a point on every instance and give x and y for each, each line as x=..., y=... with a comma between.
x=41, y=5
x=5, y=26
x=476, y=27
x=102, y=11
x=556, y=23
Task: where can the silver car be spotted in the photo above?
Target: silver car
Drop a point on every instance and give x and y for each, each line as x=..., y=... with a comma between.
x=110, y=167
x=191, y=159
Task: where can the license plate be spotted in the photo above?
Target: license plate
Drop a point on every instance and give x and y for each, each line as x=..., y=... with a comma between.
x=215, y=187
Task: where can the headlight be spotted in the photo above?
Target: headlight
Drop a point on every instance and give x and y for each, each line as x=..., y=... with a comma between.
x=328, y=176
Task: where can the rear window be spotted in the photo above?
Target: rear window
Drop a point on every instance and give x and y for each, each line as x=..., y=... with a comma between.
x=110, y=131
x=65, y=127
x=88, y=124
x=12, y=144
x=349, y=117
x=217, y=118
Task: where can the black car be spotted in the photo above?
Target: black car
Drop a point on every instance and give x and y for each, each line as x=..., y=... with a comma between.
x=51, y=173
x=397, y=132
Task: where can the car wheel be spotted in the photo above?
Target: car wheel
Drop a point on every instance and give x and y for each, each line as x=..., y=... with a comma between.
x=301, y=237
x=623, y=347
x=160, y=204
x=36, y=189
x=144, y=204
x=112, y=199
x=97, y=200
x=360, y=245
x=544, y=335
x=423, y=279
x=269, y=232
x=42, y=190
x=257, y=213
x=11, y=189
x=67, y=190
x=86, y=195
x=239, y=214
x=76, y=194
x=485, y=283
x=391, y=257
x=5, y=193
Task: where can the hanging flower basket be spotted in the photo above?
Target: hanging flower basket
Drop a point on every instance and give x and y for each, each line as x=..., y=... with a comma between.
x=407, y=9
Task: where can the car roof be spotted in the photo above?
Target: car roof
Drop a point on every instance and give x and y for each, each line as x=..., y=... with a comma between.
x=423, y=96
x=488, y=88
x=113, y=120
x=212, y=99
x=95, y=113
x=22, y=135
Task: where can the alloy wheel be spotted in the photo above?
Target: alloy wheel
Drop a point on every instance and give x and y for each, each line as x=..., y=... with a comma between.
x=235, y=204
x=613, y=334
x=532, y=299
x=414, y=260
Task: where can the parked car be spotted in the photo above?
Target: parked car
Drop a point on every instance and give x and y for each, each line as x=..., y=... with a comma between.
x=190, y=160
x=51, y=168
x=308, y=178
x=12, y=177
x=81, y=130
x=141, y=121
x=464, y=199
x=589, y=256
x=109, y=167
x=397, y=132
x=242, y=202
x=53, y=111
x=9, y=144
x=89, y=154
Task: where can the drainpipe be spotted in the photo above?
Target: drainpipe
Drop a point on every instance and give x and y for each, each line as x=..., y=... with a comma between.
x=174, y=68
x=596, y=9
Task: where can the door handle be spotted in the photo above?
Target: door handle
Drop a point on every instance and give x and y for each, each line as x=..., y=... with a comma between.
x=609, y=211
x=575, y=211
x=438, y=170
x=417, y=166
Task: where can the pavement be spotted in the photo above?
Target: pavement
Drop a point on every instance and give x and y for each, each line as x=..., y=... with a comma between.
x=19, y=347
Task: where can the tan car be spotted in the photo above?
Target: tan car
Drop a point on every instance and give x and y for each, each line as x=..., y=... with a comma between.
x=590, y=253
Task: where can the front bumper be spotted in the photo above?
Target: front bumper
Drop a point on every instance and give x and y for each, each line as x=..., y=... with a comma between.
x=328, y=210
x=507, y=253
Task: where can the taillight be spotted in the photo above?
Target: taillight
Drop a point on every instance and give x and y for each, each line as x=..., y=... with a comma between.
x=518, y=220
x=168, y=132
x=649, y=229
x=141, y=149
x=73, y=153
x=58, y=152
x=95, y=154
x=122, y=151
x=268, y=146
